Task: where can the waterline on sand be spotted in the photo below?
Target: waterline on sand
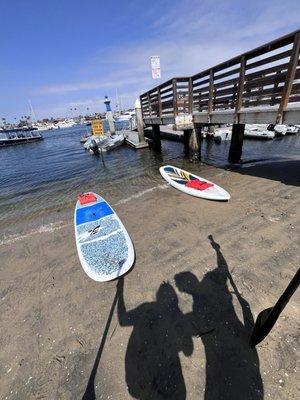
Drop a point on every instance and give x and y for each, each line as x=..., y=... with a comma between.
x=55, y=226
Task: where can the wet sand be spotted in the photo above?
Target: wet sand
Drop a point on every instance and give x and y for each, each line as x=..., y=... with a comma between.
x=54, y=318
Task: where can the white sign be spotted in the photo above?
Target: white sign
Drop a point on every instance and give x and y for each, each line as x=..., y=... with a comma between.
x=155, y=67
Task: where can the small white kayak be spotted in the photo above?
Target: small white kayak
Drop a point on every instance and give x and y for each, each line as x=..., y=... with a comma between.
x=104, y=247
x=193, y=184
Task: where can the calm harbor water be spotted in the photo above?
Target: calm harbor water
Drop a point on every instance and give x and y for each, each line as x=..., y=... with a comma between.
x=45, y=176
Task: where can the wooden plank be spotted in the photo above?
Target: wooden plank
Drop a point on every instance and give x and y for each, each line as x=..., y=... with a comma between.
x=251, y=116
x=291, y=74
x=277, y=68
x=169, y=89
x=240, y=89
x=264, y=92
x=230, y=82
x=182, y=78
x=166, y=104
x=225, y=92
x=202, y=90
x=165, y=84
x=153, y=90
x=268, y=60
x=153, y=95
x=203, y=100
x=228, y=73
x=199, y=83
x=267, y=81
x=257, y=103
x=218, y=100
x=167, y=96
x=293, y=99
x=183, y=84
x=295, y=88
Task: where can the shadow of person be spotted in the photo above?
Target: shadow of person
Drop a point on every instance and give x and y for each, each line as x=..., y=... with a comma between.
x=232, y=367
x=160, y=332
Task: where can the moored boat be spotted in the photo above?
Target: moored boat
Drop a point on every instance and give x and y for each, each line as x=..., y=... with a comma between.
x=97, y=143
x=13, y=138
x=258, y=132
x=222, y=134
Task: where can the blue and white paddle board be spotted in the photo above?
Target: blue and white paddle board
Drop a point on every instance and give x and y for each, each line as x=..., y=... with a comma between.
x=104, y=247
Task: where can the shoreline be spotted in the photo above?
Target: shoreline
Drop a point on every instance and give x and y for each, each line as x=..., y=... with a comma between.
x=285, y=170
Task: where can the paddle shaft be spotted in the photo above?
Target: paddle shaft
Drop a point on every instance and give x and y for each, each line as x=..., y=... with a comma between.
x=287, y=294
x=266, y=319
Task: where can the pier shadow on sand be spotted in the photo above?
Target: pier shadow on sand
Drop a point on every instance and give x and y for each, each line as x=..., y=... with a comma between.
x=285, y=171
x=161, y=331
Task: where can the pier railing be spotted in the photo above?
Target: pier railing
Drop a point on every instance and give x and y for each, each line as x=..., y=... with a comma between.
x=261, y=85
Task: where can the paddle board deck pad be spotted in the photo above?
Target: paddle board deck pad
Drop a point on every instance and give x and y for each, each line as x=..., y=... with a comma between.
x=104, y=247
x=193, y=184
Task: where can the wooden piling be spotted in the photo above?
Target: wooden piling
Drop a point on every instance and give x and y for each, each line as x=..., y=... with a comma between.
x=192, y=143
x=156, y=137
x=236, y=144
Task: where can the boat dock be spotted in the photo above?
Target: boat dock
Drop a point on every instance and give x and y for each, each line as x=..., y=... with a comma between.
x=261, y=86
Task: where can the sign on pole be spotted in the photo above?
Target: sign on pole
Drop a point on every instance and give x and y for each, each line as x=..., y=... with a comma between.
x=155, y=67
x=97, y=127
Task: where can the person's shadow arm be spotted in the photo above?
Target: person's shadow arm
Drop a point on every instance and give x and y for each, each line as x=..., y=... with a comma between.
x=247, y=315
x=125, y=317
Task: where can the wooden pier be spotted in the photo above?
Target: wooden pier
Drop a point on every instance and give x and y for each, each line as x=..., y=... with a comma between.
x=260, y=86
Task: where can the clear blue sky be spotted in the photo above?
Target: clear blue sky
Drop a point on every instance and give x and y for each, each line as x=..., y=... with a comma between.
x=65, y=54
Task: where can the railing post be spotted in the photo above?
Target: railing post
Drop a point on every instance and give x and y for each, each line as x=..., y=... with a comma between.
x=290, y=76
x=175, y=105
x=159, y=102
x=149, y=104
x=275, y=88
x=240, y=90
x=142, y=107
x=190, y=96
x=211, y=94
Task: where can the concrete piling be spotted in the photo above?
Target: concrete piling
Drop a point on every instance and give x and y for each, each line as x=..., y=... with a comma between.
x=139, y=120
x=109, y=116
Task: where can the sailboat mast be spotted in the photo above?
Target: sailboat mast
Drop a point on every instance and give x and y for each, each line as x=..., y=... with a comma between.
x=31, y=110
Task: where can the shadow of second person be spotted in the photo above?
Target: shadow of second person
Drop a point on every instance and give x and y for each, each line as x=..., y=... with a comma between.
x=232, y=367
x=160, y=332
